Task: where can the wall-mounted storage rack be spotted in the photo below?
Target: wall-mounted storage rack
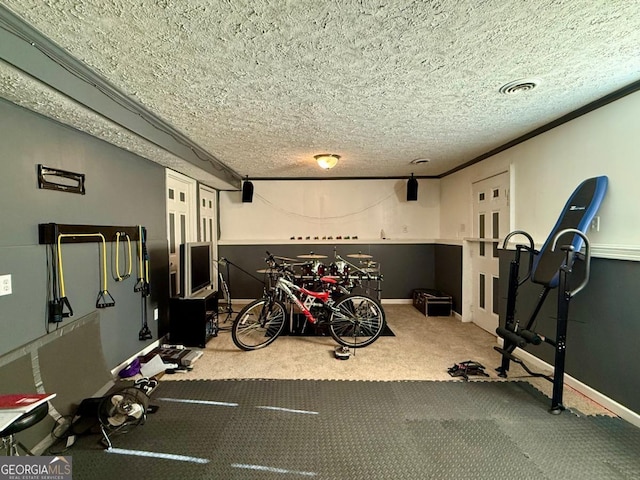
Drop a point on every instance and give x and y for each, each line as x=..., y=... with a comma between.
x=48, y=233
x=55, y=234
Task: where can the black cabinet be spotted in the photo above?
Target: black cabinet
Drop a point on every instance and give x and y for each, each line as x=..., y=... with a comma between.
x=192, y=320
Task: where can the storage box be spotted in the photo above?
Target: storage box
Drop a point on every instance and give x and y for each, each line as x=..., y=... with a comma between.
x=432, y=303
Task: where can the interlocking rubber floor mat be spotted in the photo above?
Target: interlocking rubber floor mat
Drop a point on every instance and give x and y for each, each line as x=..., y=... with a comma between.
x=239, y=429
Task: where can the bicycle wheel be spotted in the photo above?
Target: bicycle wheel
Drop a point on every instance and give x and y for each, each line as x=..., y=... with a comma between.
x=258, y=324
x=357, y=321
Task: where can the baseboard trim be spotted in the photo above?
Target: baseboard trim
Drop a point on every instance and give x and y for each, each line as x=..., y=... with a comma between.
x=144, y=351
x=589, y=392
x=396, y=301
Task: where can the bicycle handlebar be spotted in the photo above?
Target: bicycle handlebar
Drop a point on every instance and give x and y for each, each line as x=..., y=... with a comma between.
x=271, y=261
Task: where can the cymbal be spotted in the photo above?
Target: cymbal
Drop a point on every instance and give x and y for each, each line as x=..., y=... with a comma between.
x=284, y=259
x=370, y=270
x=267, y=270
x=311, y=255
x=359, y=255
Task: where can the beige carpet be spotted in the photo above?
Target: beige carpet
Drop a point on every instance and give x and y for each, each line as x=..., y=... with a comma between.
x=423, y=348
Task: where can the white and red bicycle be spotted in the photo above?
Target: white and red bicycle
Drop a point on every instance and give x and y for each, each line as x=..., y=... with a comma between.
x=353, y=320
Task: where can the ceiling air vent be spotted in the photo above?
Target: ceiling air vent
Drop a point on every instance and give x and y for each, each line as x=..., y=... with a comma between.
x=519, y=86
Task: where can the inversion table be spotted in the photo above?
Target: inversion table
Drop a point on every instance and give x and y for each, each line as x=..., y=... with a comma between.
x=551, y=267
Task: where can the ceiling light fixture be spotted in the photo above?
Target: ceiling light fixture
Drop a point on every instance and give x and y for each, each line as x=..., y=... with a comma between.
x=327, y=160
x=419, y=161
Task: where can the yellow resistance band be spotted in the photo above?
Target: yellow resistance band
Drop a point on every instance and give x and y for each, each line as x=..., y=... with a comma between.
x=128, y=274
x=104, y=258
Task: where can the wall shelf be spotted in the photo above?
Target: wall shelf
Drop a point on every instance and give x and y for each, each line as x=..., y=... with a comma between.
x=48, y=233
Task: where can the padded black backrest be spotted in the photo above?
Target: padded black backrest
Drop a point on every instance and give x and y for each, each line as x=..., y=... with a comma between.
x=578, y=213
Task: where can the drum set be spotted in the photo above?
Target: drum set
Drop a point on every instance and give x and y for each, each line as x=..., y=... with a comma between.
x=358, y=271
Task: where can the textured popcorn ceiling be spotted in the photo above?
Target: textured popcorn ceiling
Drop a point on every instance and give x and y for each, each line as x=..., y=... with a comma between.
x=265, y=85
x=50, y=103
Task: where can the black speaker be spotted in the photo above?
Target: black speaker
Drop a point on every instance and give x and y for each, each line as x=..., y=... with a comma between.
x=247, y=192
x=412, y=189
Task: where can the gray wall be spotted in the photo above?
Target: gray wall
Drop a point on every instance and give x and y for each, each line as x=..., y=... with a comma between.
x=603, y=327
x=122, y=189
x=404, y=266
x=448, y=273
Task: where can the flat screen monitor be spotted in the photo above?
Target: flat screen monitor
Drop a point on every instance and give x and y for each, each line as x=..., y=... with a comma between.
x=195, y=268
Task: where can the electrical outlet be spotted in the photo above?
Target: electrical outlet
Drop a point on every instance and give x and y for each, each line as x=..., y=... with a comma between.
x=5, y=285
x=405, y=229
x=595, y=223
x=155, y=314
